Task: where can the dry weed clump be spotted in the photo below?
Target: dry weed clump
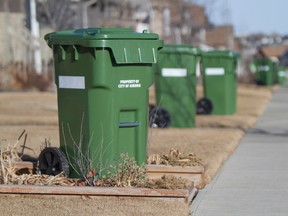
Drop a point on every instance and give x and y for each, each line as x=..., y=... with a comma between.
x=175, y=158
x=166, y=182
x=30, y=79
x=8, y=159
x=10, y=173
x=47, y=180
x=125, y=174
x=128, y=174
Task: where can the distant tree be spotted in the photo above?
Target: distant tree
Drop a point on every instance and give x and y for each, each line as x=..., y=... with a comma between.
x=216, y=10
x=58, y=14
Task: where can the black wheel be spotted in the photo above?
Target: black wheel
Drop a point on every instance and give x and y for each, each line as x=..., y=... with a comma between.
x=158, y=117
x=52, y=161
x=204, y=106
x=259, y=82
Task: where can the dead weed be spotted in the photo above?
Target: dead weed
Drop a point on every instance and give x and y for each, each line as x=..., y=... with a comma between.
x=175, y=158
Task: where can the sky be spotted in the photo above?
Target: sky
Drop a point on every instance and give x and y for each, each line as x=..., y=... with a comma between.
x=250, y=16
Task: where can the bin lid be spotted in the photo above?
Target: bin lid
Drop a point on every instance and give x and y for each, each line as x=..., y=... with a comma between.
x=222, y=53
x=127, y=46
x=87, y=37
x=180, y=48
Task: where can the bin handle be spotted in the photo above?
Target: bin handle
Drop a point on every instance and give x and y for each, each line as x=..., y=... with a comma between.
x=76, y=54
x=129, y=124
x=62, y=53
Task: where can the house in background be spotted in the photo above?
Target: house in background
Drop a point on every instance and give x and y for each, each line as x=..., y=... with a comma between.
x=274, y=51
x=163, y=17
x=12, y=22
x=13, y=49
x=167, y=20
x=278, y=53
x=21, y=55
x=220, y=37
x=174, y=21
x=179, y=22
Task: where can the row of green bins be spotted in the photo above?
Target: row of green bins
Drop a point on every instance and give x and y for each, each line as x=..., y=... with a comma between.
x=102, y=77
x=218, y=69
x=265, y=72
x=175, y=83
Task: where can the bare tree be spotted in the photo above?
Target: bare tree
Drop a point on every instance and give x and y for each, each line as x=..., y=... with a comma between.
x=216, y=9
x=58, y=14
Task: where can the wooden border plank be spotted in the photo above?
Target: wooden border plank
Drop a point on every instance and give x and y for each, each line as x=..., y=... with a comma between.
x=92, y=191
x=175, y=169
x=30, y=166
x=192, y=173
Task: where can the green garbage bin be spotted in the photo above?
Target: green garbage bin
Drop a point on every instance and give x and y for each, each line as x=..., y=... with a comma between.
x=175, y=83
x=265, y=72
x=218, y=69
x=281, y=74
x=275, y=71
x=102, y=77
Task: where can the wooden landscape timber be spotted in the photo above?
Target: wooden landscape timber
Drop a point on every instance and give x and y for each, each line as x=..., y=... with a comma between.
x=192, y=173
x=26, y=167
x=186, y=195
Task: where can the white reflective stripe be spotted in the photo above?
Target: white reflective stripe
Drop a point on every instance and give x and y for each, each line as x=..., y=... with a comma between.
x=264, y=68
x=281, y=73
x=72, y=82
x=214, y=71
x=174, y=72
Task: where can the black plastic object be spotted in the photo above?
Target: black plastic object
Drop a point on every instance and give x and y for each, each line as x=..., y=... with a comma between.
x=259, y=82
x=52, y=161
x=204, y=106
x=158, y=117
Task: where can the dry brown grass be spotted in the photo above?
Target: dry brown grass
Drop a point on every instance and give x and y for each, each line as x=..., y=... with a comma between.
x=212, y=145
x=36, y=136
x=251, y=102
x=107, y=206
x=213, y=140
x=8, y=158
x=20, y=111
x=175, y=158
x=28, y=108
x=10, y=174
x=21, y=76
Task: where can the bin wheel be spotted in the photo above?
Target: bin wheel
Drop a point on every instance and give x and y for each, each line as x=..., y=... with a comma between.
x=52, y=161
x=204, y=106
x=259, y=82
x=158, y=117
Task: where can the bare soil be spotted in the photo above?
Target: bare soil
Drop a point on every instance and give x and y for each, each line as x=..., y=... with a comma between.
x=213, y=139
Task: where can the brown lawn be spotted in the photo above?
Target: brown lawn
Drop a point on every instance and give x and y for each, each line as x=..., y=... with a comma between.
x=213, y=139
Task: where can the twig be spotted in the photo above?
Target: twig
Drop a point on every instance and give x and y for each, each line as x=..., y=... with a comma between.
x=24, y=144
x=21, y=135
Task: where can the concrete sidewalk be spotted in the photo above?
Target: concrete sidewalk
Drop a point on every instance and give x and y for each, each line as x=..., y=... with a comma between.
x=254, y=180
